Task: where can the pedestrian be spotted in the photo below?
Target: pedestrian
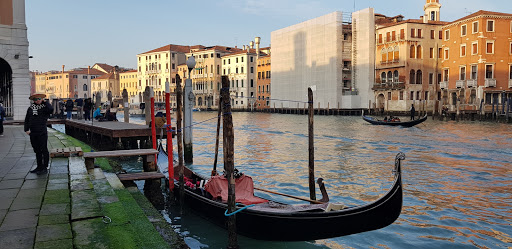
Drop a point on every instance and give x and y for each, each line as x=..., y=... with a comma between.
x=61, y=108
x=2, y=117
x=79, y=106
x=35, y=126
x=87, y=109
x=142, y=106
x=412, y=111
x=69, y=108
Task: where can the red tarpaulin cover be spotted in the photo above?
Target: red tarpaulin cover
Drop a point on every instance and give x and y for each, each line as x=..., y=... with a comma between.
x=244, y=189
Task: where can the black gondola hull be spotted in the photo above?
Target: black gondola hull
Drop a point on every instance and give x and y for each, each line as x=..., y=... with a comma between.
x=411, y=123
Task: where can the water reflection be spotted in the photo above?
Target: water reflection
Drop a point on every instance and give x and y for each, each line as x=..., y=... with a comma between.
x=457, y=176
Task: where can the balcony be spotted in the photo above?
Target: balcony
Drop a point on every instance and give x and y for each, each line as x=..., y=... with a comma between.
x=443, y=84
x=388, y=86
x=490, y=82
x=472, y=83
x=460, y=83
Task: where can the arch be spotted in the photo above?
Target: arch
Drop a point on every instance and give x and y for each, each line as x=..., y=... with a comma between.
x=200, y=101
x=6, y=88
x=380, y=101
x=412, y=76
x=412, y=51
x=396, y=77
x=418, y=52
x=383, y=77
x=390, y=76
x=419, y=77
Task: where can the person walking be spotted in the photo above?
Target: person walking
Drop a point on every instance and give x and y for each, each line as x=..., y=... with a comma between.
x=69, y=108
x=35, y=126
x=79, y=106
x=2, y=117
x=413, y=111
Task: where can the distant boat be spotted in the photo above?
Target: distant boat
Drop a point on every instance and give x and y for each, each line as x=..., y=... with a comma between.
x=411, y=123
x=196, y=109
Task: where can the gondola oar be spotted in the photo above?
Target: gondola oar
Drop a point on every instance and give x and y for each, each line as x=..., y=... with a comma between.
x=214, y=171
x=291, y=196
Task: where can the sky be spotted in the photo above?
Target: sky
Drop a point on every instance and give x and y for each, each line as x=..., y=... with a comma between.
x=82, y=33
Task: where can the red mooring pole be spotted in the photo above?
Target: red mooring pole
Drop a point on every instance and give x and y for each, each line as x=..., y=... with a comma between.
x=169, y=136
x=153, y=128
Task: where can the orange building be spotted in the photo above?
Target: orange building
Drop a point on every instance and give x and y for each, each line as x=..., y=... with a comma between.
x=263, y=83
x=477, y=61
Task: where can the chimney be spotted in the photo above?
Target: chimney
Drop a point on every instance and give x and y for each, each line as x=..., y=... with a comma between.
x=244, y=47
x=257, y=41
x=88, y=69
x=251, y=44
x=62, y=68
x=248, y=49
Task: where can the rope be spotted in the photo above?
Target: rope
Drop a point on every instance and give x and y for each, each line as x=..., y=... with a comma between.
x=239, y=210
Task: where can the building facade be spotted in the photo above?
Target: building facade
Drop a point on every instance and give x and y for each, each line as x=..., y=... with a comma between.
x=75, y=83
x=240, y=67
x=263, y=83
x=477, y=61
x=128, y=80
x=14, y=64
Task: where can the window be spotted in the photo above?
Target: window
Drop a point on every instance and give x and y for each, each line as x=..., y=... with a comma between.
x=510, y=72
x=413, y=51
x=474, y=72
x=383, y=77
x=419, y=33
x=475, y=27
x=252, y=60
x=412, y=33
x=490, y=25
x=446, y=53
x=463, y=30
x=252, y=68
x=412, y=76
x=489, y=47
x=402, y=34
x=411, y=96
x=384, y=55
x=431, y=54
x=430, y=78
x=426, y=95
x=440, y=53
x=393, y=35
x=418, y=52
x=474, y=48
x=462, y=50
x=432, y=34
x=401, y=95
x=440, y=34
x=489, y=72
x=462, y=74
x=75, y=76
x=447, y=35
x=380, y=38
x=419, y=77
x=388, y=36
x=446, y=74
x=85, y=87
x=510, y=48
x=85, y=76
x=389, y=95
x=390, y=54
x=252, y=83
x=396, y=56
x=395, y=76
x=390, y=76
x=432, y=15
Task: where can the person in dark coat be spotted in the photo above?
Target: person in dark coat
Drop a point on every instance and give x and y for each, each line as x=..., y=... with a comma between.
x=79, y=106
x=2, y=117
x=69, y=108
x=87, y=109
x=35, y=126
x=413, y=112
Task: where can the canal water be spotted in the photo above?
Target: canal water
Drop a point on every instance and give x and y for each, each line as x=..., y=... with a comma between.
x=457, y=177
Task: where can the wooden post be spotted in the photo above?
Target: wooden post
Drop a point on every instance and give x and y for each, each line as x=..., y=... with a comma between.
x=170, y=159
x=146, y=101
x=229, y=164
x=153, y=125
x=126, y=106
x=219, y=113
x=179, y=136
x=312, y=194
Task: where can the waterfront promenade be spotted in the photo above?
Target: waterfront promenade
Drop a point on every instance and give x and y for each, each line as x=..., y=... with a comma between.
x=70, y=207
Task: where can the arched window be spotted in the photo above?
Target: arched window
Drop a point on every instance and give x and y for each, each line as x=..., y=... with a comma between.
x=412, y=76
x=85, y=87
x=419, y=77
x=413, y=51
x=383, y=77
x=396, y=56
x=390, y=54
x=395, y=76
x=384, y=55
x=418, y=52
x=390, y=76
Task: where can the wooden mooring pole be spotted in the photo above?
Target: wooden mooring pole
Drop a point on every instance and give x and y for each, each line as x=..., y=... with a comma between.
x=311, y=113
x=170, y=159
x=179, y=135
x=219, y=116
x=229, y=163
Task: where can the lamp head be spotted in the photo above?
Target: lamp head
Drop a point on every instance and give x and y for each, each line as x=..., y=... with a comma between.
x=191, y=62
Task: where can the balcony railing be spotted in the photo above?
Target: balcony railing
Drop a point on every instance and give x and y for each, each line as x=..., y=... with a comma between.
x=443, y=84
x=472, y=83
x=490, y=82
x=388, y=86
x=460, y=83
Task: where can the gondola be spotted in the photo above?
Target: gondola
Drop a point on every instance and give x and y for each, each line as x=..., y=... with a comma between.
x=276, y=221
x=411, y=123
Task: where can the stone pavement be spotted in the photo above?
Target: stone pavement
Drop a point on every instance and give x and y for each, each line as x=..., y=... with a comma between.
x=70, y=207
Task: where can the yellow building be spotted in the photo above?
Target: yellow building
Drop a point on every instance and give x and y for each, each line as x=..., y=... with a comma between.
x=128, y=80
x=105, y=84
x=66, y=84
x=477, y=61
x=263, y=83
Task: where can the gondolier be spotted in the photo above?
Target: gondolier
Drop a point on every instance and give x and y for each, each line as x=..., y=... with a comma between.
x=35, y=126
x=413, y=111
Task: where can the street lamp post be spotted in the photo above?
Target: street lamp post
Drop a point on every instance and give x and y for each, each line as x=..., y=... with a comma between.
x=188, y=102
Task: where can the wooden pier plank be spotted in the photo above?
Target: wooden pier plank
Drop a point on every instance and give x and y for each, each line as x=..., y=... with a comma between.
x=140, y=176
x=118, y=153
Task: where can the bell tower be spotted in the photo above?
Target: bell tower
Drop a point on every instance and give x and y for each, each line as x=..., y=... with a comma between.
x=431, y=9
